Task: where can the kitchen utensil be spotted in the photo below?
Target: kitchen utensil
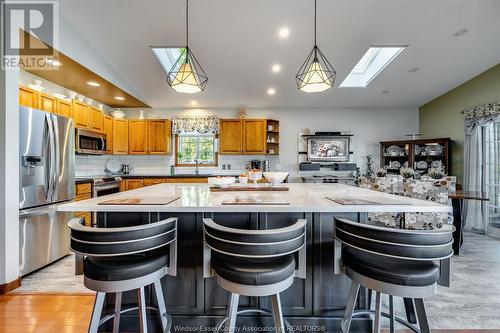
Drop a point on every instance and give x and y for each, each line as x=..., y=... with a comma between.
x=125, y=169
x=255, y=165
x=265, y=166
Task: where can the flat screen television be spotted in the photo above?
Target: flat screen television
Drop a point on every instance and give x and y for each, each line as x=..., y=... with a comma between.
x=328, y=149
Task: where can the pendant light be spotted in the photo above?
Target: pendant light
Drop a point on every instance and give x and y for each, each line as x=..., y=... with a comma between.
x=316, y=74
x=186, y=75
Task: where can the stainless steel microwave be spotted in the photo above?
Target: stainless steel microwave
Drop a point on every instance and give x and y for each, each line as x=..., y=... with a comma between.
x=88, y=142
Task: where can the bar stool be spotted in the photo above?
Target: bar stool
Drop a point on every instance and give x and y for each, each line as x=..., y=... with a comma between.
x=123, y=259
x=254, y=263
x=396, y=262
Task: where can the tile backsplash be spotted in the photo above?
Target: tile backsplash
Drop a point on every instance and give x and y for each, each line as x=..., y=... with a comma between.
x=90, y=165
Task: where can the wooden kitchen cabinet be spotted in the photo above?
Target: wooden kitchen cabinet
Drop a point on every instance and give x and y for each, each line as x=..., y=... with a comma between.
x=120, y=136
x=132, y=184
x=64, y=108
x=84, y=192
x=80, y=114
x=254, y=136
x=28, y=97
x=159, y=136
x=47, y=103
x=107, y=128
x=96, y=118
x=153, y=181
x=137, y=137
x=230, y=136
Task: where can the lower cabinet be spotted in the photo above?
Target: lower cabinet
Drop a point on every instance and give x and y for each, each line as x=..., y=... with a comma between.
x=187, y=180
x=132, y=184
x=84, y=192
x=153, y=181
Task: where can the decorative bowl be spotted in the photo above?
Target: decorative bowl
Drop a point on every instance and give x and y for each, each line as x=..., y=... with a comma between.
x=221, y=181
x=275, y=177
x=117, y=113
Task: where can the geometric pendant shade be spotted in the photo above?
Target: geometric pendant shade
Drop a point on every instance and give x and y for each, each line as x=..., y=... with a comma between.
x=316, y=74
x=186, y=75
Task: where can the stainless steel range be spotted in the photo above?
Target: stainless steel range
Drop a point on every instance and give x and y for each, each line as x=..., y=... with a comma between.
x=105, y=185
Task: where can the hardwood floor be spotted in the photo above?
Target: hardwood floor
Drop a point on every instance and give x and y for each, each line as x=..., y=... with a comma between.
x=66, y=313
x=45, y=313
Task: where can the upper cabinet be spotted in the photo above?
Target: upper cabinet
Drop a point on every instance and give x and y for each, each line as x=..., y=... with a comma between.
x=254, y=136
x=96, y=119
x=107, y=128
x=28, y=97
x=159, y=132
x=120, y=136
x=47, y=103
x=137, y=137
x=80, y=114
x=243, y=136
x=230, y=136
x=64, y=108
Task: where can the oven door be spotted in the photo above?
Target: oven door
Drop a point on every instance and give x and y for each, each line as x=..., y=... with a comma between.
x=105, y=189
x=88, y=142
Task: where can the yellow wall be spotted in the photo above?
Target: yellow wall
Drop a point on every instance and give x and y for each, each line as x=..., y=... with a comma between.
x=442, y=116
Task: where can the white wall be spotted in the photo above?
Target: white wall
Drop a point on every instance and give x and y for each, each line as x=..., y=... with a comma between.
x=369, y=126
x=9, y=176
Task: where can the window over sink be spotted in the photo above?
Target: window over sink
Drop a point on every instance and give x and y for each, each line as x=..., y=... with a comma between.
x=193, y=148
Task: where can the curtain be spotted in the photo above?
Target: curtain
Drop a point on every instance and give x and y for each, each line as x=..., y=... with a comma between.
x=476, y=119
x=194, y=124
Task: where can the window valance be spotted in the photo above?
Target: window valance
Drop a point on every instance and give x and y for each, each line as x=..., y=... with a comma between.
x=480, y=111
x=199, y=124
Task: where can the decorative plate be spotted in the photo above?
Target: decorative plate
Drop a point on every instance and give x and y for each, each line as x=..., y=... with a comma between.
x=422, y=165
x=436, y=164
x=394, y=150
x=434, y=150
x=418, y=150
x=395, y=165
x=113, y=166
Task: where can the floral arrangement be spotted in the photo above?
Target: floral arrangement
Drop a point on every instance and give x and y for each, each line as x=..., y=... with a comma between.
x=436, y=173
x=407, y=172
x=381, y=172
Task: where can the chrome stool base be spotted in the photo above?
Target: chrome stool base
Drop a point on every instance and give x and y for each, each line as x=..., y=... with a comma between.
x=387, y=315
x=289, y=327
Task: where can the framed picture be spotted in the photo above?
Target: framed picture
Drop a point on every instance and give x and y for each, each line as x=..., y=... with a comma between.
x=328, y=149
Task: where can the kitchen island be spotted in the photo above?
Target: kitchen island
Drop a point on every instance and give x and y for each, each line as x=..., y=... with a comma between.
x=319, y=300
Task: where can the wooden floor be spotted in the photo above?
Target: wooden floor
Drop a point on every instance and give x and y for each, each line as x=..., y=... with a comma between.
x=68, y=313
x=45, y=313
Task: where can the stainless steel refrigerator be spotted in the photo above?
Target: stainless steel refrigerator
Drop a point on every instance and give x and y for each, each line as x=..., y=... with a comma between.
x=46, y=178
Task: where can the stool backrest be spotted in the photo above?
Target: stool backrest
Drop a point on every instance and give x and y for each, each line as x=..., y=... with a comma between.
x=254, y=243
x=405, y=244
x=109, y=242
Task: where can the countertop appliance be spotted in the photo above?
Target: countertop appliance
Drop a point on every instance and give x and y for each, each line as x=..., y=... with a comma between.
x=255, y=165
x=91, y=143
x=46, y=178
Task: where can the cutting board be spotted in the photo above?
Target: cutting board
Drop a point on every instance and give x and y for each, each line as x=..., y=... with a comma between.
x=248, y=188
x=140, y=201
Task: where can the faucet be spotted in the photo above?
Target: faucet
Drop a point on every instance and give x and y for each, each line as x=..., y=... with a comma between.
x=197, y=169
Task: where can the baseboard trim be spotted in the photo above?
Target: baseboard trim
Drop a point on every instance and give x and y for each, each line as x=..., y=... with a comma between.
x=9, y=286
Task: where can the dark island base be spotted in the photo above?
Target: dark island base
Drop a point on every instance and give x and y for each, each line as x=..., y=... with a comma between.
x=315, y=304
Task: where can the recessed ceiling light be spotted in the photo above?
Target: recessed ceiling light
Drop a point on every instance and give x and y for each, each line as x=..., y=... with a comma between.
x=284, y=32
x=271, y=91
x=120, y=98
x=371, y=64
x=385, y=92
x=413, y=70
x=194, y=103
x=461, y=32
x=276, y=68
x=93, y=84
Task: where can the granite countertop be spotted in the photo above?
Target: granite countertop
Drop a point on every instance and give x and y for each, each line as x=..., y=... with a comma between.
x=302, y=197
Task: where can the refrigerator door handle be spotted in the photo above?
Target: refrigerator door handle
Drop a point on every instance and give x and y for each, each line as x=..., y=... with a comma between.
x=57, y=156
x=52, y=154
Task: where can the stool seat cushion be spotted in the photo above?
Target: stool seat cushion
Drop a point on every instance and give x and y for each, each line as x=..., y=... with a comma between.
x=124, y=267
x=390, y=270
x=254, y=272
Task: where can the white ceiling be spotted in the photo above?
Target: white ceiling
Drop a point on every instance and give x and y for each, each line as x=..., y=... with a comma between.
x=236, y=42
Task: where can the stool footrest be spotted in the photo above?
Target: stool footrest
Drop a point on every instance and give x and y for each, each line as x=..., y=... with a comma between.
x=387, y=315
x=249, y=310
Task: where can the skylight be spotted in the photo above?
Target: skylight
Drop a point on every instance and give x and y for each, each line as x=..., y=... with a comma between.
x=371, y=64
x=167, y=56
